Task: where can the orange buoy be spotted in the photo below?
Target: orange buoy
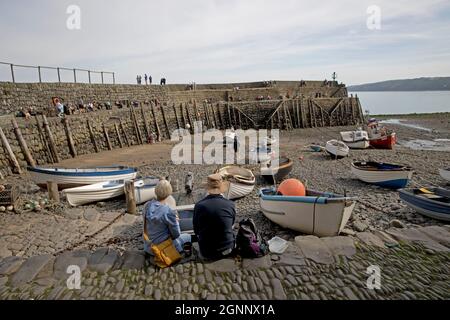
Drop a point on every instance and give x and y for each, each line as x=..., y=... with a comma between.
x=292, y=187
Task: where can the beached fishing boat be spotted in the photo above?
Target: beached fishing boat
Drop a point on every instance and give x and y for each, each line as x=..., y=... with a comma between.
x=239, y=181
x=283, y=168
x=379, y=136
x=445, y=174
x=318, y=213
x=357, y=139
x=337, y=148
x=144, y=191
x=430, y=202
x=70, y=178
x=385, y=175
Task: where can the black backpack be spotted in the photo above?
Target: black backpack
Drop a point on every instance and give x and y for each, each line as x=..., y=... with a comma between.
x=249, y=243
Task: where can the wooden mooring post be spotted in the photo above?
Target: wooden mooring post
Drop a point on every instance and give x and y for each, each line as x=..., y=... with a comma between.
x=146, y=126
x=136, y=125
x=176, y=115
x=53, y=193
x=8, y=149
x=119, y=137
x=44, y=141
x=219, y=116
x=51, y=140
x=182, y=115
x=108, y=141
x=130, y=198
x=92, y=135
x=155, y=122
x=125, y=134
x=23, y=144
x=166, y=125
x=70, y=142
x=191, y=124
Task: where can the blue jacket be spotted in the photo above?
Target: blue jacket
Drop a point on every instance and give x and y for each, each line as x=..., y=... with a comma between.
x=162, y=222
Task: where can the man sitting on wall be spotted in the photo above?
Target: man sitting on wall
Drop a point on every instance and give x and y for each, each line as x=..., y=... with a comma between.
x=213, y=221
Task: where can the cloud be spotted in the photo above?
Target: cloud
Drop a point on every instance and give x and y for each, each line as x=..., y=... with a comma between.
x=219, y=41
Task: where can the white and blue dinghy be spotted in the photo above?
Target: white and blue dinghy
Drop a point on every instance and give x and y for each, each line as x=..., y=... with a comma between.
x=393, y=176
x=144, y=190
x=71, y=178
x=430, y=202
x=318, y=213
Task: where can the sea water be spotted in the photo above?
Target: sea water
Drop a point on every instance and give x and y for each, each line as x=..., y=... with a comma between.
x=401, y=102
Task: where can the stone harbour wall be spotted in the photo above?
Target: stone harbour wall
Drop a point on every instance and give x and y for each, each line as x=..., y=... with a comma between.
x=14, y=96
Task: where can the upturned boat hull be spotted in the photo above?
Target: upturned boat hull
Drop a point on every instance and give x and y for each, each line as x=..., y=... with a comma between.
x=383, y=175
x=71, y=178
x=435, y=205
x=320, y=214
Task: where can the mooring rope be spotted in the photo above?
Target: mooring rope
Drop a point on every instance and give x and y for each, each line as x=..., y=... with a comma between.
x=88, y=237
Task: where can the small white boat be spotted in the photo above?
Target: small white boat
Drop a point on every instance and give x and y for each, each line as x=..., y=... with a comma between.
x=357, y=139
x=239, y=181
x=70, y=178
x=94, y=193
x=337, y=148
x=445, y=174
x=318, y=213
x=261, y=154
x=385, y=175
x=144, y=191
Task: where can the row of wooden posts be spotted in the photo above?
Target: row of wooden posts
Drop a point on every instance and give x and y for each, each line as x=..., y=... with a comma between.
x=48, y=141
x=287, y=114
x=300, y=113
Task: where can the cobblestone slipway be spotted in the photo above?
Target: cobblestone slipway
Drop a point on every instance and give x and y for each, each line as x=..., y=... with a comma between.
x=414, y=264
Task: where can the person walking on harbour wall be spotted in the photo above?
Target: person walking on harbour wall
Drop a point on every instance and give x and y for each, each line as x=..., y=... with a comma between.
x=149, y=79
x=146, y=79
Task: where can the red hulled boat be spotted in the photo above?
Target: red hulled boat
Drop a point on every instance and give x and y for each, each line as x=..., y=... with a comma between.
x=379, y=136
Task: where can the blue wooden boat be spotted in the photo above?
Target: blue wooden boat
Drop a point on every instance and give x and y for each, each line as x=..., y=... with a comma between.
x=430, y=202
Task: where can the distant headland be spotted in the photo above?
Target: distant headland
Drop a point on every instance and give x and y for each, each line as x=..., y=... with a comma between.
x=418, y=84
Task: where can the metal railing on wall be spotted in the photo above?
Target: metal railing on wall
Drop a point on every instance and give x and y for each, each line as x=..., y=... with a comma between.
x=58, y=72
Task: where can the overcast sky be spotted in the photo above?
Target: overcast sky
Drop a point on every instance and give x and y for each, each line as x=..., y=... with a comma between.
x=211, y=41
